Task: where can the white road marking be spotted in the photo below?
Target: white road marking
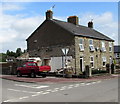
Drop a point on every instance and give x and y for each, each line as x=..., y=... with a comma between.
x=88, y=84
x=20, y=91
x=62, y=89
x=29, y=86
x=76, y=85
x=54, y=90
x=93, y=82
x=70, y=87
x=25, y=97
x=46, y=93
x=82, y=83
x=48, y=90
x=35, y=95
x=98, y=81
x=8, y=100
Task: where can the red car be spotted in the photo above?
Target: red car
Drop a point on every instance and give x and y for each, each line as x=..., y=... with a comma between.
x=32, y=69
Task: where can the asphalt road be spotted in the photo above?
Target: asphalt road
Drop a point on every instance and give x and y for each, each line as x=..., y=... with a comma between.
x=96, y=91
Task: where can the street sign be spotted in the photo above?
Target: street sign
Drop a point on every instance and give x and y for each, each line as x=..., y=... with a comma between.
x=65, y=51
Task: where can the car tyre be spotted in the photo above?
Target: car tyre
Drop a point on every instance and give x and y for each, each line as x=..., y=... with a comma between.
x=44, y=75
x=19, y=74
x=32, y=74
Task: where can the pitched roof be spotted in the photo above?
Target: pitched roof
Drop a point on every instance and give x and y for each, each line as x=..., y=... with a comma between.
x=117, y=49
x=83, y=31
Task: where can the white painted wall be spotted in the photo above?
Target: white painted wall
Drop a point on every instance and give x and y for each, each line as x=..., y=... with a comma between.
x=58, y=62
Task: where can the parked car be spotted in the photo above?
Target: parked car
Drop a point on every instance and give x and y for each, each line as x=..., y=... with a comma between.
x=32, y=69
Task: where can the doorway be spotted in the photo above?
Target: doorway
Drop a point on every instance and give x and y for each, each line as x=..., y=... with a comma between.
x=81, y=64
x=46, y=62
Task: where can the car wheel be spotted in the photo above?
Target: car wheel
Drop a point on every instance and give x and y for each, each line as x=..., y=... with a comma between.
x=32, y=74
x=19, y=74
x=44, y=75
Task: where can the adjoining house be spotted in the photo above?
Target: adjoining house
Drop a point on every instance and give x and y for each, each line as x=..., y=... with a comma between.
x=117, y=54
x=86, y=45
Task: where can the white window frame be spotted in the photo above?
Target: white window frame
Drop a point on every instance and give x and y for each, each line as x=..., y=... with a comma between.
x=110, y=46
x=104, y=60
x=117, y=55
x=81, y=46
x=103, y=46
x=92, y=61
x=91, y=46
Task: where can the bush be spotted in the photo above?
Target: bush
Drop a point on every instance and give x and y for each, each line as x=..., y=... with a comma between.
x=96, y=71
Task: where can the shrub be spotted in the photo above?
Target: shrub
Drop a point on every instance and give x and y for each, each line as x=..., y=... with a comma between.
x=96, y=71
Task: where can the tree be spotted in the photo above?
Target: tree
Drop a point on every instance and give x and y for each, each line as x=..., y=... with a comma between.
x=8, y=53
x=3, y=57
x=18, y=52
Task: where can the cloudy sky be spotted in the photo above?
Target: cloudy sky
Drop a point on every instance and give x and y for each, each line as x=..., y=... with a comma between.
x=20, y=19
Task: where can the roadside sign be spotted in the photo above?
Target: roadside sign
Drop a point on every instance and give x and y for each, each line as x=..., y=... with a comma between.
x=65, y=51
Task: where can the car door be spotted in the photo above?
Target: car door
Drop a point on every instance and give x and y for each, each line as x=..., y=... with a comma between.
x=23, y=69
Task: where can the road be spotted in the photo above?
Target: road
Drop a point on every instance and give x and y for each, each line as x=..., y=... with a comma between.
x=96, y=91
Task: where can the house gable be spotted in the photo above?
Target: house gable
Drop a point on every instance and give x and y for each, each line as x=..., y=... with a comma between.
x=49, y=34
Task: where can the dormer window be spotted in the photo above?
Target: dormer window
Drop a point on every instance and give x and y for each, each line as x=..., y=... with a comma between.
x=103, y=46
x=110, y=46
x=91, y=46
x=81, y=45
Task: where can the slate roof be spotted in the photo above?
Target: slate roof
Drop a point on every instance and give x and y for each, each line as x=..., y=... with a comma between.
x=83, y=31
x=117, y=49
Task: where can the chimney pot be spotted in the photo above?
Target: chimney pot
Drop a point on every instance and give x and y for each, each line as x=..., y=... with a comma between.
x=90, y=24
x=49, y=15
x=73, y=19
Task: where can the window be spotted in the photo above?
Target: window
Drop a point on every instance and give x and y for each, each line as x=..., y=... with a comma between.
x=104, y=61
x=32, y=64
x=81, y=45
x=103, y=46
x=92, y=61
x=91, y=45
x=24, y=65
x=110, y=46
x=35, y=41
x=117, y=55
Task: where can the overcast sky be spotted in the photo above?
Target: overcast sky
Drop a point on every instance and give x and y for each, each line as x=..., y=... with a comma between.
x=20, y=19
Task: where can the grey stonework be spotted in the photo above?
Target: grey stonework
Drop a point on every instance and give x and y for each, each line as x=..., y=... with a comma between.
x=74, y=51
x=96, y=54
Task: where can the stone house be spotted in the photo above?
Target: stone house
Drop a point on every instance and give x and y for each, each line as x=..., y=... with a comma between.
x=86, y=45
x=117, y=54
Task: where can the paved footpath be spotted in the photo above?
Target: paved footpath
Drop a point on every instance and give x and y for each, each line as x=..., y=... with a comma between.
x=39, y=79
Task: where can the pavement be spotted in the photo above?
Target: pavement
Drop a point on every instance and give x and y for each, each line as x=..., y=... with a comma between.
x=52, y=79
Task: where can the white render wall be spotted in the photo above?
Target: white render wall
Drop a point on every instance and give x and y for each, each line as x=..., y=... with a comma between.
x=58, y=62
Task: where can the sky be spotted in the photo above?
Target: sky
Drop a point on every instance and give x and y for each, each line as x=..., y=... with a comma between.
x=20, y=19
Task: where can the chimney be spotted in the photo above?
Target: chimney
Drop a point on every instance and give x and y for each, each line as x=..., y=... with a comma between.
x=49, y=15
x=73, y=19
x=90, y=24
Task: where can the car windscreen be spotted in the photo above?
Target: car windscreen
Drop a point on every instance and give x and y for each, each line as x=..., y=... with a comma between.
x=32, y=64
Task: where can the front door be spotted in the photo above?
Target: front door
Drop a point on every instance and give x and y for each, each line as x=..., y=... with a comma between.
x=81, y=64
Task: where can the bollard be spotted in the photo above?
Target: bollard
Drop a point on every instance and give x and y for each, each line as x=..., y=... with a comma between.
x=108, y=68
x=112, y=68
x=87, y=71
